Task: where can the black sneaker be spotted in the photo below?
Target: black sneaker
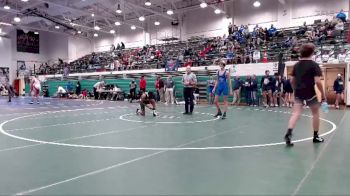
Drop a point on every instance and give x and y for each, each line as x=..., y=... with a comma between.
x=318, y=139
x=288, y=140
x=223, y=116
x=218, y=114
x=185, y=113
x=137, y=111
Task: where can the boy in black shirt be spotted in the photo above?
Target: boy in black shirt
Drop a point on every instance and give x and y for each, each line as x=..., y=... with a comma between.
x=306, y=73
x=338, y=87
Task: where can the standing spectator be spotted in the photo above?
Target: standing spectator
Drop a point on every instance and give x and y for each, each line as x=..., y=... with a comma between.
x=211, y=84
x=132, y=90
x=97, y=87
x=339, y=90
x=266, y=82
x=69, y=87
x=161, y=89
x=156, y=86
x=288, y=92
x=189, y=80
x=169, y=90
x=341, y=15
x=10, y=90
x=143, y=84
x=276, y=89
x=248, y=90
x=78, y=88
x=254, y=90
x=237, y=86
x=272, y=31
x=230, y=29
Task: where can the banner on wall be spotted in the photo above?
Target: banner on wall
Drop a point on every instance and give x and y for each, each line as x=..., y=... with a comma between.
x=27, y=42
x=4, y=75
x=253, y=69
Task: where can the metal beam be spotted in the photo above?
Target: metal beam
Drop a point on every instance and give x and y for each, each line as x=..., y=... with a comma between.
x=150, y=10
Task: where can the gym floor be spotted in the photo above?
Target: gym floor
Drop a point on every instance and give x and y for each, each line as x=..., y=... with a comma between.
x=74, y=147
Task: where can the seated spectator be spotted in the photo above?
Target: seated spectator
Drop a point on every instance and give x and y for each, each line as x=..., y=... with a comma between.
x=189, y=62
x=61, y=92
x=342, y=16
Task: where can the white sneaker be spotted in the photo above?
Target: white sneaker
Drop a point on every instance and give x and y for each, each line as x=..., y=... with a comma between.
x=337, y=107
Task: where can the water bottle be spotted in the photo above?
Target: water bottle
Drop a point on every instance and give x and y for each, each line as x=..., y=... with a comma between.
x=324, y=107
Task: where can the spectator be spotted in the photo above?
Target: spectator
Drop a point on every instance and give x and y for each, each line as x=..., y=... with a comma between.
x=237, y=86
x=97, y=87
x=143, y=84
x=276, y=90
x=132, y=91
x=341, y=15
x=272, y=31
x=78, y=88
x=339, y=90
x=161, y=89
x=61, y=92
x=266, y=83
x=211, y=84
x=169, y=90
x=254, y=90
x=248, y=90
x=122, y=46
x=230, y=29
x=69, y=87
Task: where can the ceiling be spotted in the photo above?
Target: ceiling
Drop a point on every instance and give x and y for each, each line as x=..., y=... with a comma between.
x=76, y=15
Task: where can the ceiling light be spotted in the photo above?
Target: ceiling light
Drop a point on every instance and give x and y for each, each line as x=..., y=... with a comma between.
x=24, y=0
x=157, y=23
x=133, y=27
x=256, y=4
x=79, y=32
x=5, y=24
x=148, y=3
x=170, y=12
x=203, y=5
x=95, y=35
x=117, y=23
x=112, y=31
x=119, y=11
x=97, y=28
x=141, y=18
x=0, y=30
x=217, y=11
x=36, y=33
x=92, y=15
x=17, y=19
x=57, y=27
x=7, y=7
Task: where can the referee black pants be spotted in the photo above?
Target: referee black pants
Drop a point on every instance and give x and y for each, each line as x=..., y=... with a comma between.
x=188, y=95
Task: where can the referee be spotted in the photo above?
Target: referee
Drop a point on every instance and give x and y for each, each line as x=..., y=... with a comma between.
x=189, y=80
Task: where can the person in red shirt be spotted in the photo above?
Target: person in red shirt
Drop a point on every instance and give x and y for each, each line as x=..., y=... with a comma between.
x=188, y=63
x=143, y=84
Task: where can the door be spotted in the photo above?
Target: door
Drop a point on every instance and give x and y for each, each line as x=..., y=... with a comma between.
x=330, y=76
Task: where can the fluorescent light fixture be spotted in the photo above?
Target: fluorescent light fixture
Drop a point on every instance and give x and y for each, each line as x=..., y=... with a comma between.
x=7, y=7
x=92, y=15
x=141, y=18
x=97, y=28
x=112, y=31
x=57, y=27
x=24, y=0
x=36, y=33
x=157, y=23
x=0, y=30
x=203, y=5
x=119, y=11
x=79, y=32
x=133, y=27
x=217, y=11
x=256, y=4
x=17, y=19
x=170, y=12
x=95, y=35
x=148, y=3
x=117, y=23
x=5, y=24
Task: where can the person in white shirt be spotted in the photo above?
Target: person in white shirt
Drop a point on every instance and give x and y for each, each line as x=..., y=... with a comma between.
x=98, y=86
x=61, y=91
x=189, y=80
x=35, y=88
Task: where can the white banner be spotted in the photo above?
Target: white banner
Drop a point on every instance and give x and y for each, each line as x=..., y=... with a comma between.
x=253, y=69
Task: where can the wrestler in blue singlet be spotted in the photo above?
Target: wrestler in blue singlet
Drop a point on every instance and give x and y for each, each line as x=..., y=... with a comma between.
x=222, y=86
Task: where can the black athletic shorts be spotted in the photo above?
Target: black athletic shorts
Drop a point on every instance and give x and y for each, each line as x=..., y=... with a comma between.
x=309, y=102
